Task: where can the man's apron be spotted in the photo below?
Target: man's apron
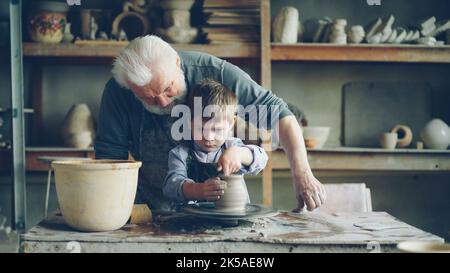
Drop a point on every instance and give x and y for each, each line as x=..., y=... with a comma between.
x=155, y=144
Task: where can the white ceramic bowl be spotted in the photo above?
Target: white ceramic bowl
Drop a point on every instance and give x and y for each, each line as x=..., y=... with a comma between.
x=423, y=247
x=318, y=134
x=96, y=195
x=436, y=135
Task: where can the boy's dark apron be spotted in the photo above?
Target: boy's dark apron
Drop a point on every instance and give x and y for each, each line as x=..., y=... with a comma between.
x=199, y=171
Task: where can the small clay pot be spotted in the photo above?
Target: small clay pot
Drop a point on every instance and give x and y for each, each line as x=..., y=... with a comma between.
x=235, y=197
x=388, y=140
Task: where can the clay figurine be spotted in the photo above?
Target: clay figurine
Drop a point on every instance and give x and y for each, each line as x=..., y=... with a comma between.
x=93, y=29
x=356, y=35
x=338, y=34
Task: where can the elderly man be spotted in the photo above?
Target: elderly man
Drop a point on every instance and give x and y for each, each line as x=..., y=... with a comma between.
x=150, y=77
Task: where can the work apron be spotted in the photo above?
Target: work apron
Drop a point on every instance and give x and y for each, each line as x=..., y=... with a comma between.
x=199, y=171
x=154, y=145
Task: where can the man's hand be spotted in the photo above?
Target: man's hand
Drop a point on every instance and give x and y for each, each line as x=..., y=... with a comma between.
x=211, y=190
x=309, y=191
x=231, y=160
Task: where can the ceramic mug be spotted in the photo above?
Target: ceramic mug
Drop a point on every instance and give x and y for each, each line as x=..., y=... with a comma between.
x=388, y=140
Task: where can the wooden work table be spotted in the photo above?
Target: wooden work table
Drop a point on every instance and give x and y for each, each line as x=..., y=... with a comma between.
x=285, y=232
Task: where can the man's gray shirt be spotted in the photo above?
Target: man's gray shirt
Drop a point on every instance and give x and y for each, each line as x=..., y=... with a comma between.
x=120, y=116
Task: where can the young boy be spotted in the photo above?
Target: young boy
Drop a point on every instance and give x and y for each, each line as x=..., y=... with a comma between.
x=194, y=164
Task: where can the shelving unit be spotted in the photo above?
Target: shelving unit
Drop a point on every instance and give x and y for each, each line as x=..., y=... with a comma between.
x=354, y=159
x=263, y=54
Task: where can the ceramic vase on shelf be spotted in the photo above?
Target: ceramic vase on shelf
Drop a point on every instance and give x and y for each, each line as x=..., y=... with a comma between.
x=177, y=21
x=285, y=26
x=47, y=21
x=436, y=135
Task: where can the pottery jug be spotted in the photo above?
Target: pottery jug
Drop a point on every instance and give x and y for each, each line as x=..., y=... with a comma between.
x=388, y=140
x=236, y=195
x=436, y=135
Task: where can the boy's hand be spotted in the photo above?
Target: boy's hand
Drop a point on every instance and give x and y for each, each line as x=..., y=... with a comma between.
x=211, y=190
x=230, y=161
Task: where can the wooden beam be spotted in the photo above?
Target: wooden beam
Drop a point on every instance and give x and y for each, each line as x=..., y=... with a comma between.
x=266, y=82
x=266, y=54
x=361, y=53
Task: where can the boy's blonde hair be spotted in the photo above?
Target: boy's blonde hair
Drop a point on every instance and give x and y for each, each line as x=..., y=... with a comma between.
x=212, y=93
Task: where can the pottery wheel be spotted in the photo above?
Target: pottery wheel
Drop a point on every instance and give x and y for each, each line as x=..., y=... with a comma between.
x=208, y=210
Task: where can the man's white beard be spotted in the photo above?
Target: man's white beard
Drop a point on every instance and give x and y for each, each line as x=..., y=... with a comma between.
x=155, y=109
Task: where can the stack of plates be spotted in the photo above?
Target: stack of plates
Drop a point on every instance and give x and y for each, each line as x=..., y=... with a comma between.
x=232, y=21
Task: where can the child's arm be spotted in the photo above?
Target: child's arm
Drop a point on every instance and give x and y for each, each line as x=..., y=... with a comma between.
x=176, y=174
x=241, y=158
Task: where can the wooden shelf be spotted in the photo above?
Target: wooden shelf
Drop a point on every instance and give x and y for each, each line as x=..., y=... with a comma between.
x=33, y=153
x=361, y=53
x=332, y=159
x=110, y=51
x=362, y=159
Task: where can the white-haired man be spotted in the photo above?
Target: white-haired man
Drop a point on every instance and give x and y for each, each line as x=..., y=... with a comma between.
x=150, y=77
